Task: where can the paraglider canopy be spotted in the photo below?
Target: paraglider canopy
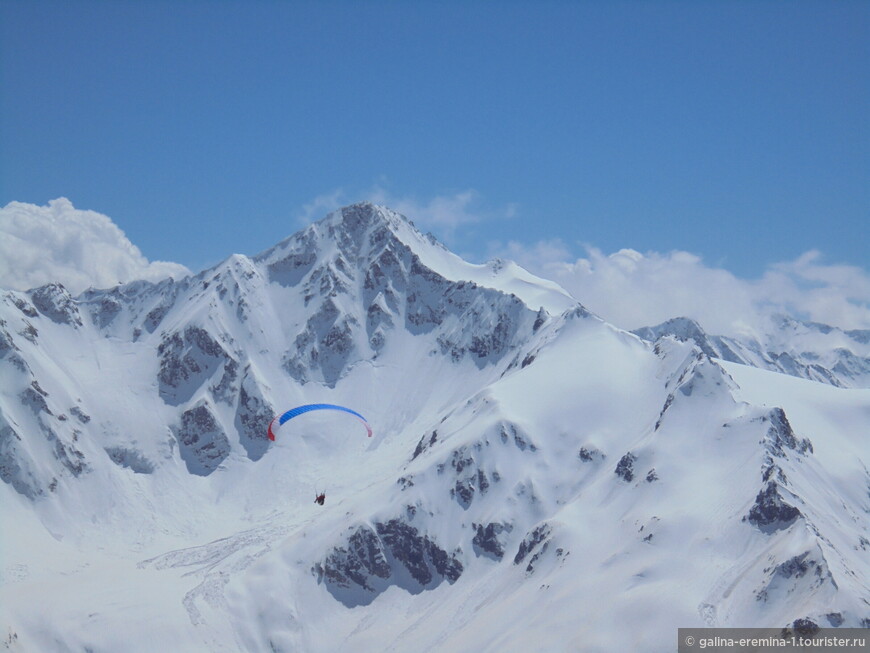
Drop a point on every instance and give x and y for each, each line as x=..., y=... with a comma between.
x=299, y=410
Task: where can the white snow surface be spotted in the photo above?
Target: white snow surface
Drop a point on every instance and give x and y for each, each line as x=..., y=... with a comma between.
x=617, y=479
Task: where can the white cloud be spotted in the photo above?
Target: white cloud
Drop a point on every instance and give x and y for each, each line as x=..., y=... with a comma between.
x=42, y=244
x=321, y=205
x=443, y=215
x=631, y=289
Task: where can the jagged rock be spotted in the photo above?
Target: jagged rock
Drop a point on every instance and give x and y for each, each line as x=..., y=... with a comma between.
x=105, y=311
x=155, y=317
x=188, y=360
x=68, y=455
x=33, y=397
x=55, y=303
x=470, y=479
x=130, y=459
x=770, y=513
x=226, y=389
x=7, y=344
x=290, y=269
x=406, y=546
x=536, y=544
x=363, y=559
x=424, y=443
x=16, y=467
x=835, y=619
x=395, y=553
x=625, y=467
x=30, y=332
x=202, y=443
x=489, y=540
x=253, y=415
x=80, y=415
x=590, y=454
x=540, y=319
x=512, y=433
x=532, y=541
x=805, y=627
x=324, y=348
x=667, y=404
x=780, y=435
x=25, y=307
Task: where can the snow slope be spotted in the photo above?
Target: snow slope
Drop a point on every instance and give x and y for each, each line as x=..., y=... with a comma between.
x=537, y=478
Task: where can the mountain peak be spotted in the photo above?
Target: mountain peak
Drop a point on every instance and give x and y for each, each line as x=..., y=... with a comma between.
x=683, y=328
x=366, y=221
x=361, y=215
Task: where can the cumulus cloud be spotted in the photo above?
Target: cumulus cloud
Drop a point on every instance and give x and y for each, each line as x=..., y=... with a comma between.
x=631, y=289
x=80, y=249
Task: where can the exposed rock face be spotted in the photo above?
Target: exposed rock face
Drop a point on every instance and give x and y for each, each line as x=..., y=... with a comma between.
x=625, y=467
x=426, y=441
x=470, y=479
x=535, y=544
x=15, y=464
x=55, y=303
x=489, y=540
x=187, y=360
x=253, y=416
x=780, y=436
x=393, y=553
x=201, y=440
x=130, y=459
x=770, y=512
x=804, y=574
x=326, y=345
x=104, y=312
x=590, y=454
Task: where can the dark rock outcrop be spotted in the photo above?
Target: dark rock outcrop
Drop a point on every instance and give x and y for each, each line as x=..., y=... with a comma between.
x=201, y=440
x=187, y=360
x=489, y=540
x=392, y=553
x=770, y=512
x=55, y=303
x=625, y=467
x=253, y=415
x=130, y=459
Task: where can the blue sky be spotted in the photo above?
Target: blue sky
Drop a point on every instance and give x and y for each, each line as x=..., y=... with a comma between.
x=736, y=131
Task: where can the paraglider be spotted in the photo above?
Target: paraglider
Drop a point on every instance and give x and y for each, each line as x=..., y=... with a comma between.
x=320, y=497
x=299, y=410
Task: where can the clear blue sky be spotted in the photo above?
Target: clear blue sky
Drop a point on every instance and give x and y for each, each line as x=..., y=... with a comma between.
x=739, y=131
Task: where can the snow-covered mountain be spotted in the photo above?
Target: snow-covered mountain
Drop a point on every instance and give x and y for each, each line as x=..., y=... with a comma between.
x=807, y=350
x=537, y=480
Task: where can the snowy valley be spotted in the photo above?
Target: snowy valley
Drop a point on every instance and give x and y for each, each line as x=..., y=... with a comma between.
x=537, y=479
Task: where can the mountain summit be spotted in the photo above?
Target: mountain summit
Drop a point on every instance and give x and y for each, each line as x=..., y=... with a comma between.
x=536, y=478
